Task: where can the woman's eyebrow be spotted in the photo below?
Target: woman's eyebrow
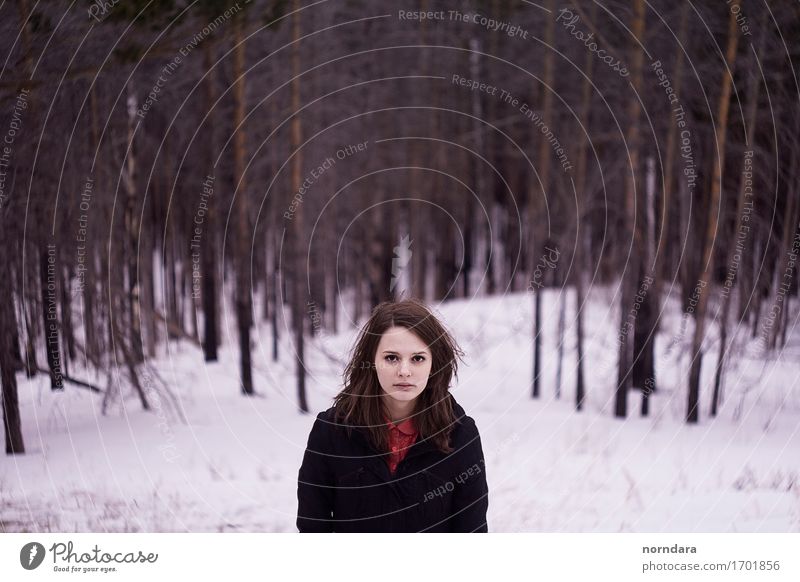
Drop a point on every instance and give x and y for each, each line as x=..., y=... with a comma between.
x=393, y=352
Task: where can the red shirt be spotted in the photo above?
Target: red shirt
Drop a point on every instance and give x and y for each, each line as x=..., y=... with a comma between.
x=401, y=437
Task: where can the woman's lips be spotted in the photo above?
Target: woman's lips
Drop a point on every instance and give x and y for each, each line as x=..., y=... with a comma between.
x=404, y=386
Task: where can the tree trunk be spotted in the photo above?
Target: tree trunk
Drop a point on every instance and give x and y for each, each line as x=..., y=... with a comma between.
x=31, y=364
x=478, y=165
x=298, y=315
x=692, y=412
x=68, y=331
x=669, y=162
x=788, y=256
x=132, y=233
x=244, y=306
x=209, y=246
x=537, y=342
x=630, y=270
x=744, y=202
x=561, y=324
x=12, y=423
x=416, y=222
x=534, y=203
x=149, y=295
x=582, y=252
x=171, y=286
x=93, y=348
x=48, y=266
x=644, y=373
x=277, y=297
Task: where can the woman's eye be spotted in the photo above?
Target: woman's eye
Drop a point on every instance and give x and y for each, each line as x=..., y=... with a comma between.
x=393, y=358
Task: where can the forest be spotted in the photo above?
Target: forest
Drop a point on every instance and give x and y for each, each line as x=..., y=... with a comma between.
x=188, y=172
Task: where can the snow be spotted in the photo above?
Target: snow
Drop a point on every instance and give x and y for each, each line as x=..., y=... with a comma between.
x=232, y=465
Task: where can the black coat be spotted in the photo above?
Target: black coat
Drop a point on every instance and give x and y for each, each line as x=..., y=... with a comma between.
x=344, y=485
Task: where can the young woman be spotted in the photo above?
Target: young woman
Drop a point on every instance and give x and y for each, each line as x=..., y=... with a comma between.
x=395, y=453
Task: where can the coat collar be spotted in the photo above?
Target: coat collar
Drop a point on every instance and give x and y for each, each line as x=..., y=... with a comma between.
x=408, y=427
x=420, y=446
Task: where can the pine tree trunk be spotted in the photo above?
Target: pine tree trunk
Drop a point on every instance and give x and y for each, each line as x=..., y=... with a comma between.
x=416, y=225
x=209, y=247
x=48, y=265
x=664, y=259
x=298, y=315
x=171, y=288
x=582, y=252
x=561, y=324
x=478, y=166
x=93, y=349
x=788, y=253
x=31, y=363
x=244, y=307
x=12, y=423
x=537, y=342
x=629, y=268
x=692, y=408
x=644, y=374
x=149, y=295
x=418, y=214
x=744, y=200
x=536, y=198
x=132, y=233
x=66, y=315
x=277, y=298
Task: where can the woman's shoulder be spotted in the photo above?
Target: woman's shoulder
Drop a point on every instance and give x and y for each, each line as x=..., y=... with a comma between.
x=325, y=435
x=465, y=428
x=329, y=422
x=327, y=415
x=325, y=420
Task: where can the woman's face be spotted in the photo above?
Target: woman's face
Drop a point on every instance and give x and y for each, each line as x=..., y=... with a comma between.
x=403, y=363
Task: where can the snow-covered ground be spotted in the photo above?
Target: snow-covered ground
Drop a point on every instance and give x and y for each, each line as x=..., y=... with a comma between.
x=232, y=464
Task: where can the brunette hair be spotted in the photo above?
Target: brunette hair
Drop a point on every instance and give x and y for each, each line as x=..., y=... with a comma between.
x=360, y=403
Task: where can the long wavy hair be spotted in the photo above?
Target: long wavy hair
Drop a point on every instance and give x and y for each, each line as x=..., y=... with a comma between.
x=360, y=403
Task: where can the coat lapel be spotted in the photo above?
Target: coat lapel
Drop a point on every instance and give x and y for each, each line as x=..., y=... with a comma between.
x=376, y=462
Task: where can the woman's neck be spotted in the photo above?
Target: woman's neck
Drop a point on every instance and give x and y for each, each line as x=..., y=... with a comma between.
x=398, y=411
